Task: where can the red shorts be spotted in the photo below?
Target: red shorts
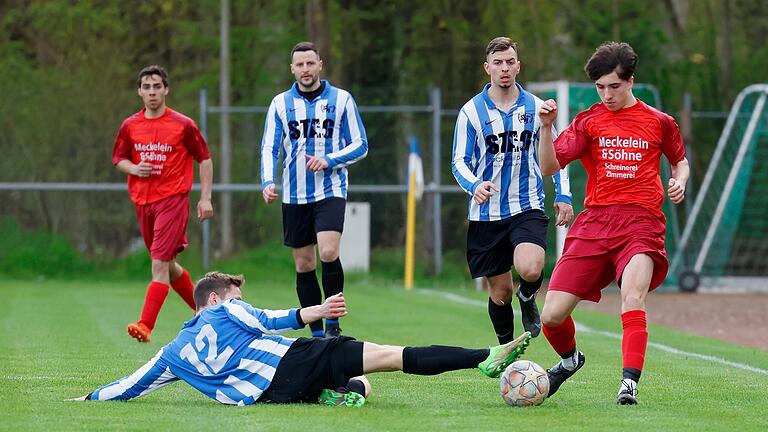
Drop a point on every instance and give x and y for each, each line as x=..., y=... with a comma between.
x=600, y=244
x=163, y=225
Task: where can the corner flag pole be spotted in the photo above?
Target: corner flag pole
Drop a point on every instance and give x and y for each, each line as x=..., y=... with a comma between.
x=410, y=232
x=415, y=191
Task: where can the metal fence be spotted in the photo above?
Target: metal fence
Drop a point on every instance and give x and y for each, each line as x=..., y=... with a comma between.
x=432, y=113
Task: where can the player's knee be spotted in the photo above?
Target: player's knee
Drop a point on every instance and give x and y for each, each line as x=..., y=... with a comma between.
x=304, y=265
x=633, y=301
x=500, y=296
x=529, y=270
x=329, y=253
x=160, y=268
x=552, y=318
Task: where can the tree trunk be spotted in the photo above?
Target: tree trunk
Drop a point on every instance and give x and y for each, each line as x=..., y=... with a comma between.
x=725, y=48
x=319, y=33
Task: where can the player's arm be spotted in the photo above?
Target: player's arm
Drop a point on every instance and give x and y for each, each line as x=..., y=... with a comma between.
x=563, y=198
x=265, y=321
x=121, y=156
x=142, y=169
x=270, y=151
x=333, y=307
x=464, y=136
x=673, y=149
x=547, y=157
x=205, y=206
x=356, y=147
x=150, y=377
x=195, y=144
x=676, y=187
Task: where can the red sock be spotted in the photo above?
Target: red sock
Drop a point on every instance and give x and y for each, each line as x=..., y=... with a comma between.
x=561, y=337
x=185, y=288
x=635, y=339
x=153, y=301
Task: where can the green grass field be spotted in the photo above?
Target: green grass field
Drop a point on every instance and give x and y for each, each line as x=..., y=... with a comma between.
x=60, y=339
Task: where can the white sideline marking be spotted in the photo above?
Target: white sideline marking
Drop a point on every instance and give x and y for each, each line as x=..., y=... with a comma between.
x=581, y=327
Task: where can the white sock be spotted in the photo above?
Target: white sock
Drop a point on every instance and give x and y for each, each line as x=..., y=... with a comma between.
x=628, y=384
x=524, y=298
x=571, y=362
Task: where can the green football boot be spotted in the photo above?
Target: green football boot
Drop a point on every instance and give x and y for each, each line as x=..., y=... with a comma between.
x=334, y=398
x=502, y=356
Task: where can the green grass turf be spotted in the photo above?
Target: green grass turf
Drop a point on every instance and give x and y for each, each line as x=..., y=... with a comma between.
x=61, y=339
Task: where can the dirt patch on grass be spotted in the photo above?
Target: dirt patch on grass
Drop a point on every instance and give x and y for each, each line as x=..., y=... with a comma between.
x=738, y=318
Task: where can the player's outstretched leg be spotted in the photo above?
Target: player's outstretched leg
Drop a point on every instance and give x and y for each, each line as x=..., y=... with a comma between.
x=564, y=369
x=502, y=356
x=627, y=392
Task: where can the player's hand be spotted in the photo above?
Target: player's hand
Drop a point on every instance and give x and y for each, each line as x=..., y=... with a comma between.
x=548, y=113
x=269, y=193
x=315, y=163
x=334, y=307
x=77, y=399
x=676, y=191
x=483, y=191
x=204, y=209
x=142, y=169
x=564, y=213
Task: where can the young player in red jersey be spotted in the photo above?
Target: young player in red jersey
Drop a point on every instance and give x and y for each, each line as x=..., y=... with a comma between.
x=620, y=234
x=155, y=148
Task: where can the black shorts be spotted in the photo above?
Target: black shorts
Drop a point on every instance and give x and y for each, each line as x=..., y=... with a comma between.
x=302, y=222
x=314, y=364
x=491, y=244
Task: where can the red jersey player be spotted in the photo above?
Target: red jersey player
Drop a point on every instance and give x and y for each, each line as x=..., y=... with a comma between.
x=620, y=234
x=155, y=148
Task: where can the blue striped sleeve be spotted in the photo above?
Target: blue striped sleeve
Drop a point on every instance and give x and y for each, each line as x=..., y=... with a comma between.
x=150, y=377
x=262, y=320
x=353, y=131
x=270, y=145
x=562, y=187
x=464, y=137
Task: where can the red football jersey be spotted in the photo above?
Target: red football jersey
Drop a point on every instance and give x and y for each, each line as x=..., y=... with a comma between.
x=169, y=142
x=621, y=152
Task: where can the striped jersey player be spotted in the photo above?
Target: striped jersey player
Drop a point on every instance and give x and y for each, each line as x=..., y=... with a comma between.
x=318, y=129
x=214, y=355
x=495, y=161
x=231, y=352
x=492, y=145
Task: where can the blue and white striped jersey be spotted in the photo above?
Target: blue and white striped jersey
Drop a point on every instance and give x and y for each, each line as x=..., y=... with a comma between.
x=492, y=145
x=229, y=352
x=328, y=126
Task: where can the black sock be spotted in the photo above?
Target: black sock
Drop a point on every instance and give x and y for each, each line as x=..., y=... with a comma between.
x=527, y=289
x=333, y=282
x=309, y=295
x=436, y=359
x=632, y=373
x=333, y=277
x=357, y=386
x=503, y=320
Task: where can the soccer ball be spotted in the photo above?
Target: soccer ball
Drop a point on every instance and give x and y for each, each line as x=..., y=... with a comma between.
x=524, y=383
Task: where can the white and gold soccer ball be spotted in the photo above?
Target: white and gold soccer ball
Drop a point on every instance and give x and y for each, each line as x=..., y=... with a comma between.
x=524, y=383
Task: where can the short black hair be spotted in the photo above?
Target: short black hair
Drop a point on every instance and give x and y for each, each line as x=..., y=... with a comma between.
x=501, y=43
x=217, y=282
x=610, y=57
x=153, y=70
x=304, y=46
